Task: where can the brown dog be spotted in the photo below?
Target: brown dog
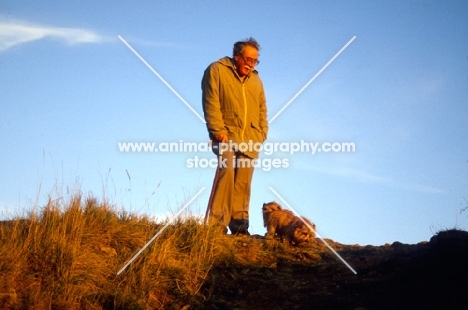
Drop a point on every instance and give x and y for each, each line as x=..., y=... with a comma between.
x=285, y=225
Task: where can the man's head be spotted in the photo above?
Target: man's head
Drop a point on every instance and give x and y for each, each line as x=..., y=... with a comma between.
x=245, y=54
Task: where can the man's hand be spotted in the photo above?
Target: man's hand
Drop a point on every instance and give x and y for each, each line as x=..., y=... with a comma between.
x=223, y=137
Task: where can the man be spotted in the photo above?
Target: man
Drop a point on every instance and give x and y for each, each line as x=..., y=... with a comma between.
x=235, y=111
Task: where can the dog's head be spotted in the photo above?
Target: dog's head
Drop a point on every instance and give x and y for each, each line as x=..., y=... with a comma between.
x=271, y=206
x=302, y=232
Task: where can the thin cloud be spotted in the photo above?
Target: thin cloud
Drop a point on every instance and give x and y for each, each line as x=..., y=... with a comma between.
x=15, y=33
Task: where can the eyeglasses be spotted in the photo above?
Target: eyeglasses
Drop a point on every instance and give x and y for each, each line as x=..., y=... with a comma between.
x=249, y=60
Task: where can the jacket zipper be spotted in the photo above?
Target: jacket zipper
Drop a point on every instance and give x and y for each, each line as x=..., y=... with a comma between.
x=245, y=113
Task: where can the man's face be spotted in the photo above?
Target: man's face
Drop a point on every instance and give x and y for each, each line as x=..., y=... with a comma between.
x=246, y=61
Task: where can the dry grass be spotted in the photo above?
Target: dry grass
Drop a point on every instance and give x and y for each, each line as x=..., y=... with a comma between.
x=67, y=255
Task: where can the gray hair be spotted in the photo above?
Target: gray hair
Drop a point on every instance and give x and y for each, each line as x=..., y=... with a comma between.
x=239, y=46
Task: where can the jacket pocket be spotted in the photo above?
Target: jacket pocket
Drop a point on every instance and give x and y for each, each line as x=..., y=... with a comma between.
x=231, y=121
x=255, y=125
x=257, y=132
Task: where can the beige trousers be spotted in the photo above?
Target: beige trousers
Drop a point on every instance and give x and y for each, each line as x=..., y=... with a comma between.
x=232, y=190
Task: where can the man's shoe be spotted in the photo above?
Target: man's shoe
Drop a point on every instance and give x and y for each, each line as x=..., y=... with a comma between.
x=239, y=227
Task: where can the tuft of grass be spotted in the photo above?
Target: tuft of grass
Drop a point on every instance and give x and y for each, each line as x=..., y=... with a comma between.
x=67, y=256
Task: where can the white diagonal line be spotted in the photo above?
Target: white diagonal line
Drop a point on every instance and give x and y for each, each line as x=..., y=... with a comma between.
x=160, y=231
x=162, y=79
x=311, y=228
x=312, y=79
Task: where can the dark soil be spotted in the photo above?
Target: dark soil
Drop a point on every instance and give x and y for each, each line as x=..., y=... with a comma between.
x=428, y=275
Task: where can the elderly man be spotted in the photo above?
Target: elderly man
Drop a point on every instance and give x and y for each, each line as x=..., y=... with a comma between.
x=235, y=111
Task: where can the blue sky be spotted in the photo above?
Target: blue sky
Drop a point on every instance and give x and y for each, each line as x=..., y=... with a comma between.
x=71, y=90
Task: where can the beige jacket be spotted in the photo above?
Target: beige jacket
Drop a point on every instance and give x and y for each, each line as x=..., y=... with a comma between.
x=233, y=107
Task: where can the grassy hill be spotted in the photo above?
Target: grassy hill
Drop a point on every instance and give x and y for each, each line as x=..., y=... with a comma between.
x=67, y=256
